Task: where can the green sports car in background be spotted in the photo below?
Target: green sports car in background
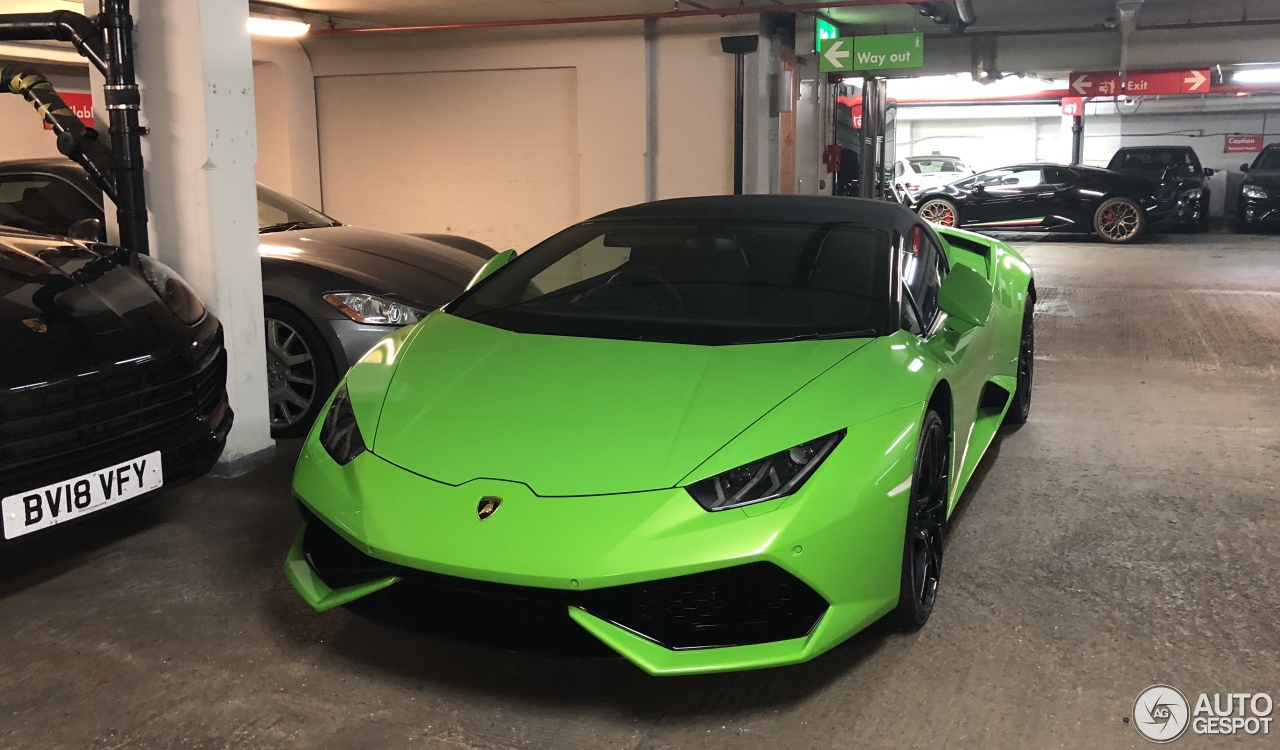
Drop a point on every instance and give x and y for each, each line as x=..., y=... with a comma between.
x=713, y=433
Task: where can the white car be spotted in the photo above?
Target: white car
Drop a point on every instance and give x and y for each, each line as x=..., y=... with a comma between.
x=914, y=174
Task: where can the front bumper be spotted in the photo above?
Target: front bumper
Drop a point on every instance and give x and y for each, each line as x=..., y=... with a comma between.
x=669, y=586
x=178, y=407
x=1259, y=212
x=351, y=340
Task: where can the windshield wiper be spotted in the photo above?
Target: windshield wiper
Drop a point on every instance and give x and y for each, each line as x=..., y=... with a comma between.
x=288, y=226
x=865, y=333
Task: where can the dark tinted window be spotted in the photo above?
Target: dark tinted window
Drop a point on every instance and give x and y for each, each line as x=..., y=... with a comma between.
x=1268, y=159
x=1007, y=177
x=40, y=203
x=278, y=212
x=1154, y=162
x=922, y=269
x=1058, y=176
x=932, y=164
x=693, y=283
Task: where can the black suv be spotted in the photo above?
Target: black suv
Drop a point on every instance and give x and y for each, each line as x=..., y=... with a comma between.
x=1260, y=192
x=1177, y=164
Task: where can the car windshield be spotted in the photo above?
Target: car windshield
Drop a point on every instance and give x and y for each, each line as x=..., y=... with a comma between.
x=1269, y=159
x=1154, y=162
x=934, y=164
x=709, y=283
x=278, y=213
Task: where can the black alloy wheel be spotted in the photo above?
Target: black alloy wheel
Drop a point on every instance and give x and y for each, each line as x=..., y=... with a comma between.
x=926, y=525
x=1020, y=409
x=300, y=371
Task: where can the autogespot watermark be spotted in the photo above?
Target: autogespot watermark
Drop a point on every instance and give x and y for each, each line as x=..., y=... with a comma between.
x=1163, y=714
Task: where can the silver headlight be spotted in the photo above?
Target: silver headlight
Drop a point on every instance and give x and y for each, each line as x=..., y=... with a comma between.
x=375, y=310
x=1195, y=194
x=1253, y=191
x=771, y=477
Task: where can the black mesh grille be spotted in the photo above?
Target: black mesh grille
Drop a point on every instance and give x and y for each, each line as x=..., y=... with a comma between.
x=747, y=604
x=753, y=603
x=127, y=403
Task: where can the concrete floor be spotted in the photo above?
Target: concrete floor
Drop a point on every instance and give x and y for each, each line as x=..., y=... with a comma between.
x=1126, y=536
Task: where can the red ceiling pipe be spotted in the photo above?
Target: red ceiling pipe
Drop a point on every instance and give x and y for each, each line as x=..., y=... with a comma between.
x=738, y=10
x=1105, y=30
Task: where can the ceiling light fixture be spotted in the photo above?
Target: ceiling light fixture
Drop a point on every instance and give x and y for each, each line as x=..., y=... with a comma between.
x=259, y=26
x=1256, y=75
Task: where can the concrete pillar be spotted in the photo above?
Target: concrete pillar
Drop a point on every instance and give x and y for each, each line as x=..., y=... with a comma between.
x=195, y=70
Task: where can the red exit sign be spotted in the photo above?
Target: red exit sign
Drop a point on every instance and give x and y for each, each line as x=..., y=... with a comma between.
x=82, y=105
x=1141, y=83
x=1243, y=144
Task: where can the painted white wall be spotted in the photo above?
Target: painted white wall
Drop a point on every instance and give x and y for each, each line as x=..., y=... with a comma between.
x=488, y=154
x=285, y=102
x=695, y=116
x=605, y=119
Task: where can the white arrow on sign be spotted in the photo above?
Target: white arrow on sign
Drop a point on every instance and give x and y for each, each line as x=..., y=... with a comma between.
x=1082, y=83
x=836, y=55
x=1195, y=80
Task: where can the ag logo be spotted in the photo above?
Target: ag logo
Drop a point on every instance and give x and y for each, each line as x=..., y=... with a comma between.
x=35, y=324
x=488, y=506
x=1161, y=713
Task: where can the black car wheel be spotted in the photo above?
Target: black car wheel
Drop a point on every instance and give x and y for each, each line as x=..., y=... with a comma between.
x=1119, y=220
x=926, y=525
x=1020, y=409
x=939, y=211
x=300, y=371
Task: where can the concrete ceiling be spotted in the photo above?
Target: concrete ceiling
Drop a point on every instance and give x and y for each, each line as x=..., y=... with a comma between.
x=993, y=15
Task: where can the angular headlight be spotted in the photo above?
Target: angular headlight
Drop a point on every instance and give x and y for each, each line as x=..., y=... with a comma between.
x=171, y=288
x=375, y=310
x=340, y=435
x=771, y=477
x=1253, y=191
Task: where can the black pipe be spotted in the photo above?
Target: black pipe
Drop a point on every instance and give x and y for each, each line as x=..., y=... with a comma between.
x=123, y=101
x=75, y=141
x=739, y=47
x=739, y=121
x=62, y=25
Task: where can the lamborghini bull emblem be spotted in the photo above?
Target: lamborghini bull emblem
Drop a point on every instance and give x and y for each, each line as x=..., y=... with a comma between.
x=488, y=506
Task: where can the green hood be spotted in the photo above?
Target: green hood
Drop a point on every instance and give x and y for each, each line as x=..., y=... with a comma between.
x=577, y=416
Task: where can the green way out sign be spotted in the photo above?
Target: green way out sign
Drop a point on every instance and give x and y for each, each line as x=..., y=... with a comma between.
x=845, y=54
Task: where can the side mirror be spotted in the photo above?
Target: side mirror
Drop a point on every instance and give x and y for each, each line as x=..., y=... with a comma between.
x=1209, y=172
x=488, y=269
x=87, y=230
x=980, y=188
x=1244, y=167
x=965, y=296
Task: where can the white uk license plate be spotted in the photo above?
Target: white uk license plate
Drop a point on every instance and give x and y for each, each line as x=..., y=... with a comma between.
x=41, y=508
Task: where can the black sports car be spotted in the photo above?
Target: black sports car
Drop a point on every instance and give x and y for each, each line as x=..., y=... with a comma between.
x=1259, y=205
x=114, y=383
x=1054, y=198
x=331, y=291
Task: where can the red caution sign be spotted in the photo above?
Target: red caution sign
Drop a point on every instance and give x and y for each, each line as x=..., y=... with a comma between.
x=1243, y=144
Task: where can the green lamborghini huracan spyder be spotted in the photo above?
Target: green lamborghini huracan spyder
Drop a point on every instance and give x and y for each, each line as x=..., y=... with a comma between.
x=713, y=433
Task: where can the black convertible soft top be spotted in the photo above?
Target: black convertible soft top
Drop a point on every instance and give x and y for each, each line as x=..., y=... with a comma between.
x=802, y=209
